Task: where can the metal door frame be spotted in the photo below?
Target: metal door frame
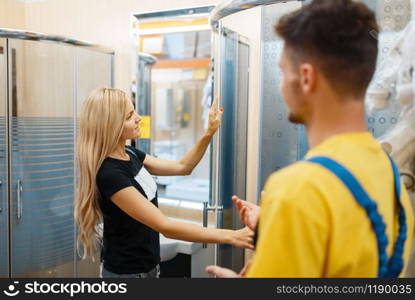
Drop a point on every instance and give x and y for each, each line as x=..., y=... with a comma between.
x=225, y=256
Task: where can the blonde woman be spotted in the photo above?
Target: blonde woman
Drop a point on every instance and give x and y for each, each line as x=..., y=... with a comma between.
x=116, y=188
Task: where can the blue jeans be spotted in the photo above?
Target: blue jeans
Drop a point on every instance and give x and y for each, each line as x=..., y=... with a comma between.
x=155, y=273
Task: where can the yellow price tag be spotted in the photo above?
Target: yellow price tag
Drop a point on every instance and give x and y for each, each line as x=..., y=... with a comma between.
x=200, y=74
x=145, y=127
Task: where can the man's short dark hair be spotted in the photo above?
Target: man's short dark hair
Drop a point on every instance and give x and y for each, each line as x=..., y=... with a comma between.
x=340, y=35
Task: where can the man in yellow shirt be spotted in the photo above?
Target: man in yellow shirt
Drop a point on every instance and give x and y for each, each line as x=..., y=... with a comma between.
x=345, y=214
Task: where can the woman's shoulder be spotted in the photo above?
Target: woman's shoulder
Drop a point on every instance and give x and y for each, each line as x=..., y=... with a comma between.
x=112, y=176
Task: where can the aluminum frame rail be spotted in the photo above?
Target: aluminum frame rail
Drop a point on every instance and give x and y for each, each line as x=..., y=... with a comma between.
x=147, y=58
x=231, y=7
x=38, y=36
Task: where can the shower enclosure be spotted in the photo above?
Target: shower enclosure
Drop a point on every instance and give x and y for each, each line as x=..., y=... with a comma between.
x=238, y=42
x=43, y=81
x=256, y=138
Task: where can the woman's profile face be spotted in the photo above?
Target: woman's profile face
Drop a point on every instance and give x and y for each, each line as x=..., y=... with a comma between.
x=131, y=123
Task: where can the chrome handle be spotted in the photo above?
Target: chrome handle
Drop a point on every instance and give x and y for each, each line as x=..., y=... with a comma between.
x=19, y=199
x=206, y=210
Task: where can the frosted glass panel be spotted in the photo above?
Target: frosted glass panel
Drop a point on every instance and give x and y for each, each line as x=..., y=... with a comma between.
x=42, y=99
x=3, y=167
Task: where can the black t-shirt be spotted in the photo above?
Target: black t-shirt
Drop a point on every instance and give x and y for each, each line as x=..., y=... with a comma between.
x=129, y=246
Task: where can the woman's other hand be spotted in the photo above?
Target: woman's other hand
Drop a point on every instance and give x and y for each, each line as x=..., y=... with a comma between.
x=248, y=212
x=215, y=117
x=242, y=238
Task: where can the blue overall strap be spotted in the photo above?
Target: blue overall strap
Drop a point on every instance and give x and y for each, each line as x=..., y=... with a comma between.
x=395, y=264
x=387, y=268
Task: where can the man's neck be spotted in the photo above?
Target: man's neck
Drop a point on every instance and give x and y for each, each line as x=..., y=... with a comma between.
x=331, y=120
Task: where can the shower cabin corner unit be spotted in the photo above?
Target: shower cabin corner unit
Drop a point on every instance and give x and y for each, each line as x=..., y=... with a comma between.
x=43, y=82
x=256, y=137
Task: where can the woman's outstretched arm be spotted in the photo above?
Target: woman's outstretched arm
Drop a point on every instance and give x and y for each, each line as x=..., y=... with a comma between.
x=136, y=206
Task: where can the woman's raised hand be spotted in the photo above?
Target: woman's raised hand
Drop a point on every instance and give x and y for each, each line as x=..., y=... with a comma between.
x=215, y=117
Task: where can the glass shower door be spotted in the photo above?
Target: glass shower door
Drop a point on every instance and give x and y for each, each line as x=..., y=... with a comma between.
x=4, y=266
x=231, y=180
x=41, y=97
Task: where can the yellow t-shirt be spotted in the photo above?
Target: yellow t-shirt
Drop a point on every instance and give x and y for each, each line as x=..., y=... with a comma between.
x=311, y=225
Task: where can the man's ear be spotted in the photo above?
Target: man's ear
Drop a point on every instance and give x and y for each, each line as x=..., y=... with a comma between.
x=308, y=78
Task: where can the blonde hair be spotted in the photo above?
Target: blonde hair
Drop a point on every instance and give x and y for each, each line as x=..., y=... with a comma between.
x=100, y=128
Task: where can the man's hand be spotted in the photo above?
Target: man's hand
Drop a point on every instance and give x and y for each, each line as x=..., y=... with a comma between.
x=248, y=212
x=227, y=273
x=245, y=269
x=221, y=272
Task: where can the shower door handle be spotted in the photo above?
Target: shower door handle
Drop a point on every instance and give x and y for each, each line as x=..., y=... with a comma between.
x=206, y=210
x=19, y=199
